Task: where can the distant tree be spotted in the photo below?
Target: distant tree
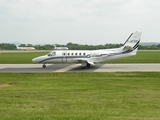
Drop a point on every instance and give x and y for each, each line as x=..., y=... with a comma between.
x=7, y=46
x=22, y=45
x=153, y=47
x=141, y=47
x=74, y=46
x=29, y=45
x=158, y=46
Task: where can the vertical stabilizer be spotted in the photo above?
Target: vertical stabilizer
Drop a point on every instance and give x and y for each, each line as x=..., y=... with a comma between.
x=133, y=41
x=17, y=46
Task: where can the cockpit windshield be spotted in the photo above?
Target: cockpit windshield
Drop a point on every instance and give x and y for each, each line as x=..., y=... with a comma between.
x=51, y=54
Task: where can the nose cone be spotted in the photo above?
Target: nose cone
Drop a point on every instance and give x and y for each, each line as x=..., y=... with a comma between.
x=35, y=60
x=39, y=59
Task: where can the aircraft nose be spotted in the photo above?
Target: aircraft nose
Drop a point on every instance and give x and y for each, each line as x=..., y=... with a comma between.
x=35, y=60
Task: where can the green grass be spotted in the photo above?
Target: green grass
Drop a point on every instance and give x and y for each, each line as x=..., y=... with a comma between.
x=19, y=57
x=70, y=96
x=26, y=57
x=141, y=57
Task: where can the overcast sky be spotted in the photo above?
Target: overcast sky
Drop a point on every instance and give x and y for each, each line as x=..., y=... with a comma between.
x=78, y=21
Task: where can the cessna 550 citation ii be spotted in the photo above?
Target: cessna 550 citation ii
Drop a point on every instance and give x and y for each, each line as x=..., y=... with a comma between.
x=90, y=57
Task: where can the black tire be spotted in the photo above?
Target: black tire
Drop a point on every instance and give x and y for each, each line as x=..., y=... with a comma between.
x=83, y=67
x=88, y=65
x=44, y=66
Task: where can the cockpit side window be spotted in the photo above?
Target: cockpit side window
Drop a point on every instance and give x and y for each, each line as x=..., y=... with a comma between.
x=51, y=54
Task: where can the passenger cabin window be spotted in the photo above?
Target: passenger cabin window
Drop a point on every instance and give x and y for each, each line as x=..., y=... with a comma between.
x=68, y=54
x=84, y=54
x=75, y=53
x=79, y=54
x=72, y=54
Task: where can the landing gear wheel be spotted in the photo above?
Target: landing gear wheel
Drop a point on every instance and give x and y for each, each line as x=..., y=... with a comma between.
x=83, y=67
x=88, y=65
x=44, y=66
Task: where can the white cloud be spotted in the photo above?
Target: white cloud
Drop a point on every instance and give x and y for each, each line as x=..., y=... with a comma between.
x=77, y=20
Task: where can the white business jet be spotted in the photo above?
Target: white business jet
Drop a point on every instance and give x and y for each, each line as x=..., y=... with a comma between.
x=25, y=48
x=90, y=57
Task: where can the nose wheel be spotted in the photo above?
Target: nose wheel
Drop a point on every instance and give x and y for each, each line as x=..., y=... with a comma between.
x=43, y=66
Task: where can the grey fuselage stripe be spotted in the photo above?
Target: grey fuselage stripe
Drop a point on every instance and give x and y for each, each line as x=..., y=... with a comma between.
x=63, y=57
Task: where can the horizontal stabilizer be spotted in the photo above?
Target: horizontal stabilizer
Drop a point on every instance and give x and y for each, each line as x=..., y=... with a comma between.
x=128, y=48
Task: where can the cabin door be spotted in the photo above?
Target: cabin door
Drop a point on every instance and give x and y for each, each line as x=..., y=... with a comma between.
x=64, y=56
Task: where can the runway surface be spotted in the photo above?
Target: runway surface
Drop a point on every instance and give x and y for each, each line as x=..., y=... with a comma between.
x=37, y=68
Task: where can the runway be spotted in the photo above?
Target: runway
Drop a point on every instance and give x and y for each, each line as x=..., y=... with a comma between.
x=37, y=68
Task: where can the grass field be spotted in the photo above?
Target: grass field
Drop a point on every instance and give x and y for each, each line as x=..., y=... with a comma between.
x=141, y=57
x=19, y=57
x=26, y=57
x=80, y=96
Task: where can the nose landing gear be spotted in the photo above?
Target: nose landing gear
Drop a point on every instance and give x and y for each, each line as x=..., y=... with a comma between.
x=44, y=66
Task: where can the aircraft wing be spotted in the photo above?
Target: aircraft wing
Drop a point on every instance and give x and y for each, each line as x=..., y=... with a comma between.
x=83, y=60
x=92, y=63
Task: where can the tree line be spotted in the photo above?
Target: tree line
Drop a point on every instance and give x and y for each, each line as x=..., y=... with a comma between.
x=73, y=46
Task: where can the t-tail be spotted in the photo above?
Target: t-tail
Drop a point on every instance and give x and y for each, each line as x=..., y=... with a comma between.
x=17, y=46
x=131, y=44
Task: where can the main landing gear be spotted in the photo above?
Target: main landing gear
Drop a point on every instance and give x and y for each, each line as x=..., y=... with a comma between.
x=44, y=66
x=85, y=65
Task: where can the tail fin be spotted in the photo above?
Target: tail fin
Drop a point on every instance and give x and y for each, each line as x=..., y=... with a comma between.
x=132, y=42
x=17, y=46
